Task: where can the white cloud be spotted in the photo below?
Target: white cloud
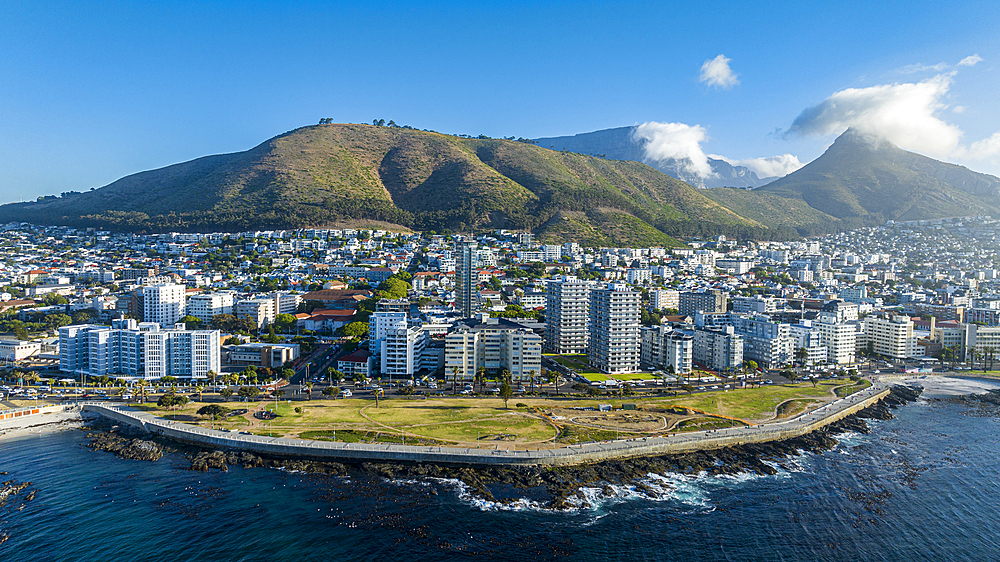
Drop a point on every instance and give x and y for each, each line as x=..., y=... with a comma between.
x=912, y=68
x=768, y=166
x=987, y=149
x=716, y=72
x=904, y=114
x=676, y=141
x=970, y=60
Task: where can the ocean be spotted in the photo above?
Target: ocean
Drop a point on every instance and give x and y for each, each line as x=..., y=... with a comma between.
x=922, y=486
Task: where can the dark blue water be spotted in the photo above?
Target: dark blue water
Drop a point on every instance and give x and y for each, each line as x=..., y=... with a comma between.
x=921, y=487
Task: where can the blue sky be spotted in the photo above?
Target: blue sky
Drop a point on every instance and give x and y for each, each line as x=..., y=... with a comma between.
x=92, y=93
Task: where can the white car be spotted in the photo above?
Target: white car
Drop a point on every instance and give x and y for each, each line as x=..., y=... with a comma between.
x=346, y=393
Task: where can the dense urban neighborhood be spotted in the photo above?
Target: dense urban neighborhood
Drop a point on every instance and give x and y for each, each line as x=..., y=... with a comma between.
x=368, y=305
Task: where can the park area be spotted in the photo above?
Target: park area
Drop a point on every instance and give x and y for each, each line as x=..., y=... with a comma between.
x=528, y=422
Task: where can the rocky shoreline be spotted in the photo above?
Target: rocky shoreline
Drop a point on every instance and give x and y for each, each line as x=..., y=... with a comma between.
x=558, y=487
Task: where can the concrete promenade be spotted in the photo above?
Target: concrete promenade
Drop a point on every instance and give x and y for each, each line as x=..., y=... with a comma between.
x=32, y=416
x=570, y=455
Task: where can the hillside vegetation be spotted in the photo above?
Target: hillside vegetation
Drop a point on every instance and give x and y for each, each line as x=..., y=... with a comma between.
x=331, y=173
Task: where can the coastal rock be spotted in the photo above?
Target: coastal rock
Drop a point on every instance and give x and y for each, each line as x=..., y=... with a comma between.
x=124, y=447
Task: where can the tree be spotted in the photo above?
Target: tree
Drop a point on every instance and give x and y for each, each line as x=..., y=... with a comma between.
x=53, y=299
x=212, y=375
x=277, y=393
x=801, y=354
x=200, y=389
x=355, y=329
x=225, y=393
x=506, y=392
x=688, y=387
x=454, y=380
x=248, y=392
x=332, y=391
x=481, y=377
x=213, y=410
x=531, y=380
x=58, y=320
x=285, y=322
x=192, y=322
x=309, y=389
x=334, y=375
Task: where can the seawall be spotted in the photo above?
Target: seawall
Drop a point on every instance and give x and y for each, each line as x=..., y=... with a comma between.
x=570, y=455
x=20, y=418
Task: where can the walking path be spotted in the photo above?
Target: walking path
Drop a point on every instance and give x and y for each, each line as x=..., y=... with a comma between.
x=574, y=454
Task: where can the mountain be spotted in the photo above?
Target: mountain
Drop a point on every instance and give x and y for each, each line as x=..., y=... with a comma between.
x=344, y=173
x=864, y=180
x=621, y=144
x=863, y=176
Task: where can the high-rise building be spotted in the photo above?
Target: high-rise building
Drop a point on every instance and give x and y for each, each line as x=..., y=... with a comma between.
x=163, y=303
x=718, y=348
x=614, y=329
x=709, y=301
x=466, y=278
x=139, y=350
x=402, y=351
x=492, y=344
x=891, y=336
x=209, y=305
x=567, y=302
x=664, y=347
x=664, y=299
x=379, y=325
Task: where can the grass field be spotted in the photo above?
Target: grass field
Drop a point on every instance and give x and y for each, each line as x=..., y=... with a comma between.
x=483, y=421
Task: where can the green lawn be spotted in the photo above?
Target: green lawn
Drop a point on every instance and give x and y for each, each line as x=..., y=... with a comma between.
x=850, y=389
x=754, y=403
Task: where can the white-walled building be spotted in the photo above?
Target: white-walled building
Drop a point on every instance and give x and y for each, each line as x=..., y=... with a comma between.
x=718, y=348
x=664, y=347
x=566, y=315
x=206, y=306
x=614, y=329
x=163, y=303
x=891, y=336
x=492, y=344
x=139, y=350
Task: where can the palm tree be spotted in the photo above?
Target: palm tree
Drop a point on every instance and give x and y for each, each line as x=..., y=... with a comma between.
x=212, y=375
x=454, y=380
x=988, y=353
x=531, y=382
x=481, y=377
x=309, y=389
x=200, y=389
x=971, y=352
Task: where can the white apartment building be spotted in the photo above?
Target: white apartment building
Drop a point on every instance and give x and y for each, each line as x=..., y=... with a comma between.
x=839, y=339
x=718, y=348
x=163, y=303
x=767, y=343
x=638, y=276
x=566, y=315
x=492, y=344
x=614, y=329
x=662, y=299
x=664, y=347
x=755, y=305
x=552, y=253
x=260, y=311
x=891, y=336
x=379, y=324
x=402, y=351
x=806, y=336
x=138, y=351
x=206, y=306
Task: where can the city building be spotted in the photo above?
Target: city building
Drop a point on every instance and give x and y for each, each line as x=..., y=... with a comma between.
x=133, y=350
x=664, y=347
x=718, y=348
x=614, y=342
x=708, y=301
x=466, y=277
x=892, y=336
x=567, y=308
x=493, y=344
x=163, y=303
x=206, y=306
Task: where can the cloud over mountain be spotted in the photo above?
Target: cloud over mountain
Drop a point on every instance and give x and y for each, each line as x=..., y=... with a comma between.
x=675, y=141
x=769, y=166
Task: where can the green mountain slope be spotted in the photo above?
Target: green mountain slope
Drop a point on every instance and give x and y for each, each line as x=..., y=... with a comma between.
x=861, y=178
x=325, y=174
